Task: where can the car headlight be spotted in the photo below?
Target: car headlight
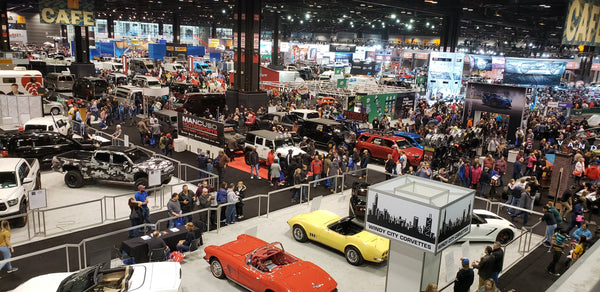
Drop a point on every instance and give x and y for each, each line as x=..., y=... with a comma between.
x=13, y=202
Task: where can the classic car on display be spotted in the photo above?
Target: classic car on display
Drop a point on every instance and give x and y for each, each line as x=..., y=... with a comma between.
x=149, y=277
x=342, y=234
x=260, y=266
x=495, y=100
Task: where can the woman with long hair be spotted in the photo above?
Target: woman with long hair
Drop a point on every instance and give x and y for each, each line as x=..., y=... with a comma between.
x=5, y=246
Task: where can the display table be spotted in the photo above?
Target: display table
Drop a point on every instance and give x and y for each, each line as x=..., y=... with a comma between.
x=138, y=248
x=512, y=156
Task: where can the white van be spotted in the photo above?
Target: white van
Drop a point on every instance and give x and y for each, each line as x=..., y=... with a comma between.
x=58, y=124
x=146, y=81
x=28, y=80
x=128, y=93
x=173, y=67
x=306, y=114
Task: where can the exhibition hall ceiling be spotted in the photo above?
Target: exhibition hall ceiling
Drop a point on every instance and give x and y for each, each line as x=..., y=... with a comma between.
x=506, y=22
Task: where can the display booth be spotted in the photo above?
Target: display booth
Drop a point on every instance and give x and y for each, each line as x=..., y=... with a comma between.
x=421, y=217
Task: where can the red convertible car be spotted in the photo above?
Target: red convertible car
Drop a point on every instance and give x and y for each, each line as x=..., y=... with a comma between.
x=260, y=266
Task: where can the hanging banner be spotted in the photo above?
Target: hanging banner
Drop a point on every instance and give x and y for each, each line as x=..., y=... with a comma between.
x=68, y=12
x=125, y=65
x=581, y=25
x=203, y=130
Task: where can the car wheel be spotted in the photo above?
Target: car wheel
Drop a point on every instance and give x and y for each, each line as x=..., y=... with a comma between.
x=55, y=111
x=216, y=268
x=21, y=221
x=166, y=181
x=299, y=233
x=353, y=256
x=505, y=236
x=74, y=179
x=141, y=181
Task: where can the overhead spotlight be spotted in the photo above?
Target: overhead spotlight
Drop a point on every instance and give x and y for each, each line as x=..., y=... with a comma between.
x=301, y=21
x=289, y=17
x=224, y=11
x=412, y=20
x=307, y=16
x=393, y=16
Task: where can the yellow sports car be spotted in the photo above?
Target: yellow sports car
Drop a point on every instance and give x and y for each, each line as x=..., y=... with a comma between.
x=342, y=234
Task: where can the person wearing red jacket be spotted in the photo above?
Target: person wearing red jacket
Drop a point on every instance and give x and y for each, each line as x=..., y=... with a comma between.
x=593, y=173
x=316, y=167
x=270, y=160
x=395, y=153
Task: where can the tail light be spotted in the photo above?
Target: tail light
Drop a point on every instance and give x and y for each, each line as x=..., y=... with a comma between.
x=4, y=153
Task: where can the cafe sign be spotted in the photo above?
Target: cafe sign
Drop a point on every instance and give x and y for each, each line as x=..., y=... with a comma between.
x=581, y=25
x=68, y=12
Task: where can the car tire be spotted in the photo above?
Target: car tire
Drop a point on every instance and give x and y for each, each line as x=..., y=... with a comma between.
x=505, y=236
x=299, y=233
x=353, y=256
x=21, y=221
x=55, y=111
x=74, y=179
x=216, y=268
x=141, y=181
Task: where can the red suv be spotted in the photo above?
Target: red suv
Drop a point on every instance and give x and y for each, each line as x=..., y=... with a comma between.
x=380, y=145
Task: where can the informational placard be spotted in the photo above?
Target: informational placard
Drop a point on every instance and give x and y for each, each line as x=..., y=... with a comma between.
x=154, y=178
x=203, y=130
x=37, y=199
x=126, y=140
x=316, y=204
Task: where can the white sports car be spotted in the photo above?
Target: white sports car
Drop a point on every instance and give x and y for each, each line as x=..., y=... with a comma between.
x=487, y=226
x=149, y=277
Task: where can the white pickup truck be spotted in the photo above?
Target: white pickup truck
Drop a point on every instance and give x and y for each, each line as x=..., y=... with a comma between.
x=18, y=176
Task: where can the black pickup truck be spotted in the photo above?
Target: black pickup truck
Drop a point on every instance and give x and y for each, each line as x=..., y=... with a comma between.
x=116, y=163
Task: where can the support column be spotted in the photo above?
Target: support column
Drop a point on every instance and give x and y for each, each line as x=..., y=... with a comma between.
x=275, y=50
x=408, y=264
x=82, y=46
x=64, y=36
x=450, y=27
x=4, y=35
x=176, y=29
x=213, y=30
x=247, y=18
x=110, y=26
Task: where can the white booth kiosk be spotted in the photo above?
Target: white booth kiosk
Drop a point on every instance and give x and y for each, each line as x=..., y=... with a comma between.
x=421, y=217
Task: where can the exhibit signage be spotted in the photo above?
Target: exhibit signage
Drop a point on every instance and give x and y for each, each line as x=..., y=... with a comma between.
x=581, y=25
x=404, y=103
x=533, y=71
x=203, y=130
x=68, y=12
x=355, y=116
x=342, y=48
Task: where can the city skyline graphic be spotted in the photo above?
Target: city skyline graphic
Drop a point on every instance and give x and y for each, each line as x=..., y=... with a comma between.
x=453, y=224
x=418, y=227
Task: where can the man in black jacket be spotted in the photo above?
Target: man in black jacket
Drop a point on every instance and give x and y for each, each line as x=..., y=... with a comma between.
x=485, y=266
x=254, y=163
x=498, y=254
x=464, y=277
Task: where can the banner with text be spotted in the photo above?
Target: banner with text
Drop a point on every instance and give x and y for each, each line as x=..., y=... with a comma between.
x=203, y=130
x=68, y=12
x=581, y=25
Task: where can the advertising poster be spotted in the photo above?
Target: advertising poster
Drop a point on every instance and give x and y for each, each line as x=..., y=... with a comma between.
x=445, y=74
x=480, y=63
x=581, y=24
x=533, y=71
x=402, y=220
x=68, y=12
x=455, y=222
x=404, y=103
x=200, y=129
x=496, y=99
x=377, y=105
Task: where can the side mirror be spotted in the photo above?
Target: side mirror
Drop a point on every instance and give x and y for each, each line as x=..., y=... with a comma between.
x=27, y=180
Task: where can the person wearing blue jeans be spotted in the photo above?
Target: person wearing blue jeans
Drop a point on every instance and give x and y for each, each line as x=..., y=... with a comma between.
x=498, y=255
x=550, y=221
x=232, y=197
x=5, y=247
x=142, y=196
x=254, y=163
x=174, y=209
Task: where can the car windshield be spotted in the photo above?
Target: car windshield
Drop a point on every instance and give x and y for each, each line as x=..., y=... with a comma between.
x=150, y=66
x=118, y=66
x=8, y=179
x=153, y=84
x=284, y=142
x=100, y=84
x=80, y=281
x=403, y=144
x=35, y=128
x=419, y=140
x=312, y=115
x=138, y=156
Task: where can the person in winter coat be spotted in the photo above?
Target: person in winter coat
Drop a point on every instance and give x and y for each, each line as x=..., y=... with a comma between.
x=254, y=163
x=316, y=167
x=275, y=173
x=270, y=160
x=464, y=173
x=527, y=199
x=390, y=167
x=475, y=174
x=484, y=181
x=485, y=266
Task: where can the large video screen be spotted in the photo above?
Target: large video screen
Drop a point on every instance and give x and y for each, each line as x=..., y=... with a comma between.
x=445, y=74
x=533, y=71
x=481, y=63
